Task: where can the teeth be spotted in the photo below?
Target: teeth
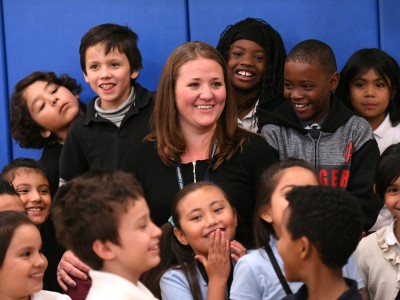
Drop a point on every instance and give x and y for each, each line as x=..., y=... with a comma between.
x=244, y=73
x=300, y=105
x=204, y=106
x=34, y=209
x=107, y=86
x=38, y=275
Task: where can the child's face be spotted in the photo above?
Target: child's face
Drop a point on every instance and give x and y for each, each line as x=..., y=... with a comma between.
x=289, y=178
x=392, y=198
x=370, y=96
x=33, y=189
x=22, y=272
x=308, y=88
x=11, y=202
x=246, y=65
x=289, y=250
x=201, y=213
x=51, y=106
x=200, y=94
x=109, y=75
x=139, y=238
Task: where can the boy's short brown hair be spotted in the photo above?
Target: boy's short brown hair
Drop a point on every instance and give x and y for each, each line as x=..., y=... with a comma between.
x=89, y=207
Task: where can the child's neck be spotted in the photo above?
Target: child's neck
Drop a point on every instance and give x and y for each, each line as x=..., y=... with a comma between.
x=245, y=101
x=325, y=284
x=375, y=122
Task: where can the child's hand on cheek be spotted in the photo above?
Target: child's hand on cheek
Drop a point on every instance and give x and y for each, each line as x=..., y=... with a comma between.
x=218, y=263
x=237, y=250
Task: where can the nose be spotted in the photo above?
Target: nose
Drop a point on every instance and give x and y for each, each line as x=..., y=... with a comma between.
x=370, y=90
x=40, y=260
x=247, y=60
x=157, y=231
x=295, y=94
x=206, y=92
x=35, y=196
x=104, y=73
x=210, y=220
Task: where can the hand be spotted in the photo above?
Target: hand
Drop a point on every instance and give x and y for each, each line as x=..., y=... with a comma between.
x=217, y=264
x=238, y=250
x=70, y=265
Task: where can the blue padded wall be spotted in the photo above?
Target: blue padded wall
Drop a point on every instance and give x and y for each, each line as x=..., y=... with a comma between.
x=4, y=128
x=45, y=35
x=389, y=19
x=345, y=25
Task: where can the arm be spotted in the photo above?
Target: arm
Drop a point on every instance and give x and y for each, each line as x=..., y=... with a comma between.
x=361, y=181
x=70, y=265
x=72, y=159
x=217, y=265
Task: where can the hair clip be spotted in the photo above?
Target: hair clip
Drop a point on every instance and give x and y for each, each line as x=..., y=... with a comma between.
x=171, y=221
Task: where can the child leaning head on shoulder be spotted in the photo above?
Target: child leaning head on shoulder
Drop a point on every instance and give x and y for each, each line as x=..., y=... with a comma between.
x=109, y=51
x=370, y=85
x=199, y=235
x=107, y=210
x=311, y=77
x=43, y=105
x=22, y=263
x=320, y=229
x=30, y=181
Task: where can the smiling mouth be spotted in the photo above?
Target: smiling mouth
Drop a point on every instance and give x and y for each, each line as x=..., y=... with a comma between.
x=34, y=209
x=300, y=105
x=245, y=74
x=107, y=86
x=204, y=106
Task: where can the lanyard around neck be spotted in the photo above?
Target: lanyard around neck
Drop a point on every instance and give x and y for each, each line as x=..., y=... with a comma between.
x=179, y=176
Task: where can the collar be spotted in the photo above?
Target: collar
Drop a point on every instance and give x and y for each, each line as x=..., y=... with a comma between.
x=389, y=236
x=383, y=127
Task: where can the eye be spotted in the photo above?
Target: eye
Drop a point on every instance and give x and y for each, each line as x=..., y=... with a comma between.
x=359, y=84
x=392, y=190
x=308, y=86
x=195, y=218
x=26, y=253
x=22, y=191
x=93, y=67
x=42, y=106
x=218, y=209
x=44, y=191
x=287, y=85
x=193, y=84
x=115, y=64
x=260, y=58
x=236, y=53
x=381, y=84
x=55, y=90
x=216, y=84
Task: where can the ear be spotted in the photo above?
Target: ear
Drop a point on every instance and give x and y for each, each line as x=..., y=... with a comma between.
x=104, y=250
x=334, y=80
x=86, y=77
x=135, y=74
x=266, y=216
x=305, y=248
x=180, y=236
x=45, y=133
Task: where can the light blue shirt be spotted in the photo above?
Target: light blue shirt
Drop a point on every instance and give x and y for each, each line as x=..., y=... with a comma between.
x=254, y=277
x=174, y=285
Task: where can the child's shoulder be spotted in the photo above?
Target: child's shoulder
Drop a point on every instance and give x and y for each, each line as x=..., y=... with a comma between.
x=48, y=295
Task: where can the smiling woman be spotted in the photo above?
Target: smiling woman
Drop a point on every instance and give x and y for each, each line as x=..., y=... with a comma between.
x=195, y=138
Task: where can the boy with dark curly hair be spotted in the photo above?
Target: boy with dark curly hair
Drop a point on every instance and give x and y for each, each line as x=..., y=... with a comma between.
x=43, y=105
x=320, y=229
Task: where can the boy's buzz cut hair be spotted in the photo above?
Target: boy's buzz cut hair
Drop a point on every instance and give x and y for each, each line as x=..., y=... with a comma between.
x=89, y=208
x=113, y=37
x=314, y=52
x=9, y=171
x=330, y=218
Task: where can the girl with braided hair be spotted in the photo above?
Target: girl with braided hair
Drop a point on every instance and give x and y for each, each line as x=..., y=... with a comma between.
x=255, y=56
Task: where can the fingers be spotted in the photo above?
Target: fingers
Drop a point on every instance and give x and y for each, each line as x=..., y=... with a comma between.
x=61, y=283
x=72, y=264
x=238, y=250
x=64, y=280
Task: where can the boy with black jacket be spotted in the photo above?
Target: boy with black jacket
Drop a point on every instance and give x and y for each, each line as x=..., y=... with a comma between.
x=313, y=125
